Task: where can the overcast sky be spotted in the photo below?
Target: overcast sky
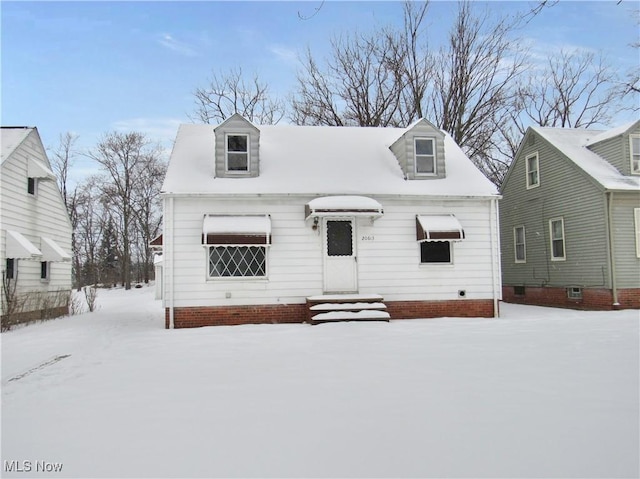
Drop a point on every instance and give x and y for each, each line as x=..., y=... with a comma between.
x=95, y=67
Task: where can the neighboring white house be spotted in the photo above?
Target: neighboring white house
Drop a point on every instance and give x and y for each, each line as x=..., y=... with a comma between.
x=35, y=232
x=294, y=223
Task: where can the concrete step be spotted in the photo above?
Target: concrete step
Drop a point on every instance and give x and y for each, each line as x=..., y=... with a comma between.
x=363, y=315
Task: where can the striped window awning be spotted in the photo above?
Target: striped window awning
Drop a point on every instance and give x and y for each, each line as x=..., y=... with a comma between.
x=438, y=228
x=236, y=230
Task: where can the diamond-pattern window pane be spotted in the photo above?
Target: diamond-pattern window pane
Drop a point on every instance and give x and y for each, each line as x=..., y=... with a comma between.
x=237, y=261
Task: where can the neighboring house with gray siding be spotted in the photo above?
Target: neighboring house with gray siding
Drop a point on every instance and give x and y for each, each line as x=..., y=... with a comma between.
x=570, y=219
x=35, y=233
x=290, y=223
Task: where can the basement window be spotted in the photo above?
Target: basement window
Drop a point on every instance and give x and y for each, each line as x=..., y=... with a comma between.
x=518, y=290
x=574, y=293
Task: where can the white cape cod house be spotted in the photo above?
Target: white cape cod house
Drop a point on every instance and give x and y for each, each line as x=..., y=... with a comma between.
x=35, y=233
x=289, y=223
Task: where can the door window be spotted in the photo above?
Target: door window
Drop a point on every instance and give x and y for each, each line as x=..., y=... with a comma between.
x=339, y=238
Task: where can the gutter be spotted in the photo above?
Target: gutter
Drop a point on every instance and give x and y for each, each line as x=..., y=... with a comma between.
x=612, y=256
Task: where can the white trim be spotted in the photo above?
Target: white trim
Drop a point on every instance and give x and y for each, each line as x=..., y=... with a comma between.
x=551, y=239
x=415, y=156
x=636, y=217
x=515, y=244
x=527, y=171
x=631, y=138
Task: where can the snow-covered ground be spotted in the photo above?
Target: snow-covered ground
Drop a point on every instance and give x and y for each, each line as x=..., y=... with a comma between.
x=539, y=392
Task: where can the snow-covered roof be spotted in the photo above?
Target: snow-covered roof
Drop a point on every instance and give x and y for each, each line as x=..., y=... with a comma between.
x=318, y=160
x=572, y=142
x=606, y=135
x=10, y=139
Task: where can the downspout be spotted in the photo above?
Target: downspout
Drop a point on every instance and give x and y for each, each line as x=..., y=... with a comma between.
x=171, y=272
x=495, y=255
x=612, y=255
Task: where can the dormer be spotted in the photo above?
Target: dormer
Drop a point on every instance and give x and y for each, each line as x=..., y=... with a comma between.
x=237, y=148
x=620, y=147
x=420, y=151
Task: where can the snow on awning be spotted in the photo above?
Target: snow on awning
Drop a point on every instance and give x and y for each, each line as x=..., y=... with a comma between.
x=19, y=247
x=37, y=169
x=438, y=228
x=236, y=230
x=343, y=206
x=52, y=252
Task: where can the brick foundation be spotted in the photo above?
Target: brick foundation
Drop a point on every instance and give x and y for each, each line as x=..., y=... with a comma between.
x=466, y=308
x=194, y=317
x=592, y=298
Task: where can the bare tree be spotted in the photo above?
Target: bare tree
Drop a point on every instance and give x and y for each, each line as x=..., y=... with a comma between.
x=474, y=84
x=575, y=90
x=361, y=84
x=230, y=92
x=147, y=209
x=123, y=157
x=63, y=158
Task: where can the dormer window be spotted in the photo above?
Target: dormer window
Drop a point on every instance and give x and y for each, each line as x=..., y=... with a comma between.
x=635, y=154
x=425, y=156
x=237, y=153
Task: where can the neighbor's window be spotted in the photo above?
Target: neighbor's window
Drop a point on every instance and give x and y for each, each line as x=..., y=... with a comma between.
x=10, y=269
x=556, y=232
x=533, y=170
x=238, y=153
x=237, y=261
x=44, y=270
x=635, y=153
x=435, y=252
x=519, y=244
x=574, y=293
x=31, y=186
x=425, y=156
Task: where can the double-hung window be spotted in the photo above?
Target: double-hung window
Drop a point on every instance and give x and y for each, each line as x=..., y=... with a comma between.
x=237, y=153
x=533, y=170
x=634, y=145
x=556, y=234
x=425, y=156
x=519, y=244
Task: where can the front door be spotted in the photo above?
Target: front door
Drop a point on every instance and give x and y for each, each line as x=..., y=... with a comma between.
x=340, y=264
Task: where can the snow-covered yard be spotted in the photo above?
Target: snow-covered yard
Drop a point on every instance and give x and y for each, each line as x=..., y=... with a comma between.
x=539, y=392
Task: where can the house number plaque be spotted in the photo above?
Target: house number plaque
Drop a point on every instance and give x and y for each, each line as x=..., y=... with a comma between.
x=368, y=238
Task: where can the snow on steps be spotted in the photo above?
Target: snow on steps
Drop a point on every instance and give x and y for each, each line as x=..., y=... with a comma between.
x=346, y=307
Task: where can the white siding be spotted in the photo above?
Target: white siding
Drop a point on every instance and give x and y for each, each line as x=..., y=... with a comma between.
x=388, y=258
x=34, y=216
